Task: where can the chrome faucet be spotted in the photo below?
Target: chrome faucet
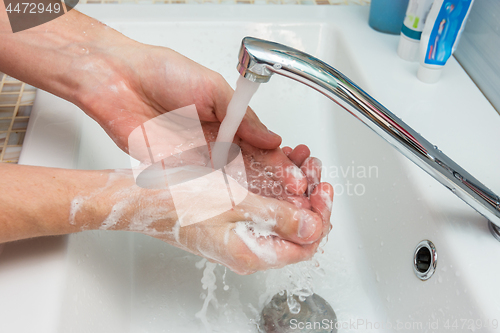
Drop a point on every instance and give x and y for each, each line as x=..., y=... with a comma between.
x=260, y=59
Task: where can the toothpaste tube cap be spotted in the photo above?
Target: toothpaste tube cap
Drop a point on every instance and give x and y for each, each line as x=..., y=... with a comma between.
x=429, y=75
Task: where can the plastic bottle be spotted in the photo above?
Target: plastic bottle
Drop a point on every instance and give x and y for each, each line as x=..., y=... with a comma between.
x=411, y=31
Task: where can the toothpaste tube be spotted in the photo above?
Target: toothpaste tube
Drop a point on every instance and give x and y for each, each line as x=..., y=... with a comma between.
x=440, y=36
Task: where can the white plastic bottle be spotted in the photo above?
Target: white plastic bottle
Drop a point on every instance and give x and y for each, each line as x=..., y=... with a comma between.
x=411, y=31
x=440, y=36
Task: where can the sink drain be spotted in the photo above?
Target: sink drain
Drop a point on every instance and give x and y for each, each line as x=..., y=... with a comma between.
x=315, y=316
x=424, y=260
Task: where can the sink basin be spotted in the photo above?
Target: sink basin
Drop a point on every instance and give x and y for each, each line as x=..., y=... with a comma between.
x=384, y=205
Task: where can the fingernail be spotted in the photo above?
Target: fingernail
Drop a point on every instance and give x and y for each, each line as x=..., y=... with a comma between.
x=271, y=132
x=307, y=226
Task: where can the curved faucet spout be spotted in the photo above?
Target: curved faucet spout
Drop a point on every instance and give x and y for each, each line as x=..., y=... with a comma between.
x=259, y=59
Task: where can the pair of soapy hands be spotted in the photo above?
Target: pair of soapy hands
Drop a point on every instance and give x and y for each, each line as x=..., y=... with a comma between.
x=142, y=82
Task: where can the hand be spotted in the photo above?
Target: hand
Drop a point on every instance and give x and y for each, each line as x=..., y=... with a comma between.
x=121, y=84
x=258, y=234
x=117, y=81
x=126, y=87
x=141, y=82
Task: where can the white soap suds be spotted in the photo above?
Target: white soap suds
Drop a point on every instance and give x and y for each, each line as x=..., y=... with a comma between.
x=79, y=200
x=226, y=236
x=326, y=199
x=312, y=174
x=295, y=172
x=76, y=205
x=251, y=232
x=115, y=215
x=175, y=231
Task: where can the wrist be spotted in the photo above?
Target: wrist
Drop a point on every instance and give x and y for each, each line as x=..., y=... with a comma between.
x=37, y=201
x=115, y=202
x=100, y=59
x=94, y=197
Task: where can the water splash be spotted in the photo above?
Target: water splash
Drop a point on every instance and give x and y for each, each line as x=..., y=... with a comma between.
x=209, y=284
x=294, y=280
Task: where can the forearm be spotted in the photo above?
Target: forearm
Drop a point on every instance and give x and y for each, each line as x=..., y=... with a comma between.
x=62, y=56
x=37, y=201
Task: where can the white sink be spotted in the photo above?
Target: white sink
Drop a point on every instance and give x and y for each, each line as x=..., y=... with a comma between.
x=123, y=282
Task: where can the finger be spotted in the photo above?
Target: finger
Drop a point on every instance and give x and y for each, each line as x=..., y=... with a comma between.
x=256, y=133
x=312, y=170
x=287, y=150
x=252, y=252
x=321, y=203
x=290, y=253
x=299, y=154
x=292, y=178
x=299, y=201
x=281, y=168
x=301, y=226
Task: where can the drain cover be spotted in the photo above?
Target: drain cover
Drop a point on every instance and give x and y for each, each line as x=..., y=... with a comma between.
x=315, y=315
x=424, y=260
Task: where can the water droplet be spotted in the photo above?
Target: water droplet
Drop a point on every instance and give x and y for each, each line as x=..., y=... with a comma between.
x=293, y=305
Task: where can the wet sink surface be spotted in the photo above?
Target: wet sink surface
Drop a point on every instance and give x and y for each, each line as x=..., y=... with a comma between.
x=384, y=205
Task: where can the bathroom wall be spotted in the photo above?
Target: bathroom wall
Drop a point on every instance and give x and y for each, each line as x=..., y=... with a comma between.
x=479, y=48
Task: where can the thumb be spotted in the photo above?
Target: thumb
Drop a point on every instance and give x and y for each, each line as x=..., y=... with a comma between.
x=256, y=133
